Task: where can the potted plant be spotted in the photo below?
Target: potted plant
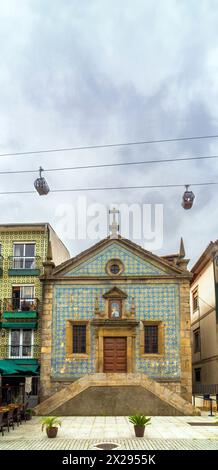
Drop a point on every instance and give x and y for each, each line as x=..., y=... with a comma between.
x=139, y=422
x=29, y=413
x=51, y=424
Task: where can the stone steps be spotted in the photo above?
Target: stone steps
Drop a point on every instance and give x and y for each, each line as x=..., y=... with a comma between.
x=116, y=380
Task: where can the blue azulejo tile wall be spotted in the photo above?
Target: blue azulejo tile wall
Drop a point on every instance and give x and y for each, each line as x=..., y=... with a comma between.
x=133, y=264
x=152, y=302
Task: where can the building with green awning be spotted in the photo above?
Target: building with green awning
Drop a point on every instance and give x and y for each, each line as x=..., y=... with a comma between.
x=24, y=248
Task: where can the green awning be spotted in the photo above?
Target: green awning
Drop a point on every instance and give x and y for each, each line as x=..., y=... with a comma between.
x=26, y=325
x=19, y=366
x=7, y=367
x=15, y=315
x=27, y=368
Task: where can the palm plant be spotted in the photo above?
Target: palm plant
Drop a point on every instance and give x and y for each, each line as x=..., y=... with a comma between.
x=139, y=420
x=50, y=422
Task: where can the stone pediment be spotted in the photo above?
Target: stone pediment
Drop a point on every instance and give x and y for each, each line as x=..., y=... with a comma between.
x=115, y=293
x=135, y=261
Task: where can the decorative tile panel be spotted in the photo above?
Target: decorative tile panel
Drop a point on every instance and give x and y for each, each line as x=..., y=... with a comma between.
x=133, y=264
x=152, y=302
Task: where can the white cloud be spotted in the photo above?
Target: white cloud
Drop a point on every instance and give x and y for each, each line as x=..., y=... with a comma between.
x=79, y=73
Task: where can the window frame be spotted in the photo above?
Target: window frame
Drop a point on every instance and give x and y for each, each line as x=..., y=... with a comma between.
x=22, y=287
x=197, y=370
x=160, y=326
x=111, y=262
x=20, y=356
x=195, y=297
x=196, y=333
x=69, y=339
x=24, y=257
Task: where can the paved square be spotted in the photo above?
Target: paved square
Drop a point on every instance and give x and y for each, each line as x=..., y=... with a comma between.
x=84, y=432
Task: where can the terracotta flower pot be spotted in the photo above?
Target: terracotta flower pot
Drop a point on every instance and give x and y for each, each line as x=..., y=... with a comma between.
x=52, y=432
x=139, y=431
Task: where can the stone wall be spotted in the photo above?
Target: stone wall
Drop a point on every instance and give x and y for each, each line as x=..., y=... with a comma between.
x=46, y=343
x=110, y=387
x=185, y=342
x=116, y=401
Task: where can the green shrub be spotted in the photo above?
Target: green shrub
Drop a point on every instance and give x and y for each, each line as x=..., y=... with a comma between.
x=50, y=422
x=139, y=420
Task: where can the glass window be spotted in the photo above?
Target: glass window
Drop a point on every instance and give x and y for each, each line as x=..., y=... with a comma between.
x=21, y=343
x=24, y=256
x=151, y=339
x=195, y=299
x=197, y=341
x=198, y=375
x=23, y=297
x=19, y=249
x=30, y=249
x=15, y=343
x=79, y=339
x=115, y=269
x=27, y=343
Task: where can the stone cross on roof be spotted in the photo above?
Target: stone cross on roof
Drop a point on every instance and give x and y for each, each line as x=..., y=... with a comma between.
x=114, y=226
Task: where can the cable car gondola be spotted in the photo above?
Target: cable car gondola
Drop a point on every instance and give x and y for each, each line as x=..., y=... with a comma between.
x=41, y=184
x=188, y=198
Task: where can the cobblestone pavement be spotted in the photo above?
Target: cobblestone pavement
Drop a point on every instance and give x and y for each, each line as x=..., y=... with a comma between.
x=84, y=432
x=124, y=444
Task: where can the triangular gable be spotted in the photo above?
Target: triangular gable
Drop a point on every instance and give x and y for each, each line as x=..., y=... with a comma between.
x=134, y=264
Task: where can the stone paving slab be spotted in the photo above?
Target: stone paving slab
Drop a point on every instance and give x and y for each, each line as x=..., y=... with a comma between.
x=165, y=432
x=124, y=444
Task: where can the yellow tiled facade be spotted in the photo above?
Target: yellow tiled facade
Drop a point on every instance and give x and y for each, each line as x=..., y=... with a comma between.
x=9, y=236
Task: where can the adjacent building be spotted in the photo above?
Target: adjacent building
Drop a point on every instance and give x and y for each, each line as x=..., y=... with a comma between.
x=115, y=333
x=23, y=250
x=204, y=320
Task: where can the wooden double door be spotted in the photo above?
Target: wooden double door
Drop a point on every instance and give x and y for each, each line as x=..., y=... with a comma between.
x=115, y=354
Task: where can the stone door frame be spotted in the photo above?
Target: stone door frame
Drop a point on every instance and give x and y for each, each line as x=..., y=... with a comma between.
x=114, y=331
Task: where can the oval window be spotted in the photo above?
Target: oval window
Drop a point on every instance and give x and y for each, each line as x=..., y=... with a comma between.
x=115, y=268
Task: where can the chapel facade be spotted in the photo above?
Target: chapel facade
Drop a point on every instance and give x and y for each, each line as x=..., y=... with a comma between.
x=116, y=332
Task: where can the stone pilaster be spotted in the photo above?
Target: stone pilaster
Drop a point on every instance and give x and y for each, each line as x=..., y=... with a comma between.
x=185, y=342
x=46, y=342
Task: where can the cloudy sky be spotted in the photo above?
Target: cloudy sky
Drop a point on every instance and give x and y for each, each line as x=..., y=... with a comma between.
x=77, y=73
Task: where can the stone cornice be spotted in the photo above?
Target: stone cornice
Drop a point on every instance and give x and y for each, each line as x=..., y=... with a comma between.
x=112, y=280
x=129, y=245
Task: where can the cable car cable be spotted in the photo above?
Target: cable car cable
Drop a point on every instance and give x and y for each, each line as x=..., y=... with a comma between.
x=111, y=188
x=119, y=144
x=108, y=165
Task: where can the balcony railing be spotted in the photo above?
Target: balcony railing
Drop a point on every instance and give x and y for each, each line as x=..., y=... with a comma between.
x=21, y=305
x=24, y=265
x=17, y=351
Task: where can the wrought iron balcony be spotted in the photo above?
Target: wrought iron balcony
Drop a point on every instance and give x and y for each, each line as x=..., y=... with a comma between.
x=20, y=307
x=19, y=313
x=24, y=265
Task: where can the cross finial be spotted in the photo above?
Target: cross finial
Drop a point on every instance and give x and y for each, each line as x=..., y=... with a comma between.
x=114, y=226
